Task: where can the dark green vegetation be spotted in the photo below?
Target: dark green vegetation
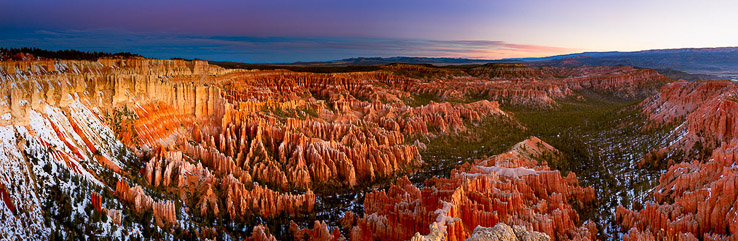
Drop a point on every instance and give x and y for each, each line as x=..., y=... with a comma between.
x=390, y=60
x=71, y=54
x=297, y=68
x=300, y=114
x=67, y=207
x=601, y=138
x=492, y=136
x=121, y=121
x=425, y=99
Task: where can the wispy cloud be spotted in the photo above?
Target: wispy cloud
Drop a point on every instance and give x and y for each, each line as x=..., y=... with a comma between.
x=269, y=49
x=502, y=45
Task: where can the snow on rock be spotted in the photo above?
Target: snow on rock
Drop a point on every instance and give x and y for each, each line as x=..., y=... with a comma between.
x=28, y=221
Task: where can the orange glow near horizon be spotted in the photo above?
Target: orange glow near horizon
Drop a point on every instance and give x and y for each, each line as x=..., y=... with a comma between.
x=290, y=30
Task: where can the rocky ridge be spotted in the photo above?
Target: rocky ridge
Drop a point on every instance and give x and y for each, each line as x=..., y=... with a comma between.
x=508, y=188
x=705, y=112
x=695, y=199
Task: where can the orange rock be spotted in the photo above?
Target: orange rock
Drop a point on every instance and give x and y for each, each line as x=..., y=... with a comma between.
x=263, y=201
x=318, y=232
x=260, y=233
x=704, y=201
x=539, y=86
x=677, y=99
x=115, y=215
x=6, y=198
x=96, y=202
x=481, y=195
x=708, y=109
x=256, y=143
x=164, y=212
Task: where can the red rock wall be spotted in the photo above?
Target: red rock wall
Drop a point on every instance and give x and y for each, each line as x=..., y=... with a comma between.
x=482, y=194
x=6, y=199
x=676, y=100
x=318, y=232
x=707, y=108
x=693, y=199
x=95, y=198
x=520, y=85
x=163, y=211
x=260, y=233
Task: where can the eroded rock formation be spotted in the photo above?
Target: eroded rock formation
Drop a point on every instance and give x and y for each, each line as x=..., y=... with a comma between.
x=241, y=144
x=502, y=189
x=502, y=231
x=163, y=211
x=694, y=200
x=521, y=85
x=705, y=112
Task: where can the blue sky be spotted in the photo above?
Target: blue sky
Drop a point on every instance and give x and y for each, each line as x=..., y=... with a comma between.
x=264, y=31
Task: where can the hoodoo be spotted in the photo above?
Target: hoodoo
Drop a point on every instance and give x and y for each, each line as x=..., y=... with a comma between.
x=200, y=151
x=271, y=120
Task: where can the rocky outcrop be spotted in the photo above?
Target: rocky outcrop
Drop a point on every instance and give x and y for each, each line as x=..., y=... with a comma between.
x=422, y=71
x=716, y=121
x=163, y=211
x=263, y=201
x=158, y=124
x=676, y=100
x=502, y=231
x=484, y=194
x=506, y=71
x=705, y=111
x=259, y=144
x=694, y=200
x=532, y=148
x=318, y=232
x=260, y=233
x=115, y=215
x=96, y=202
x=518, y=84
x=363, y=144
x=105, y=84
x=169, y=168
x=6, y=199
x=208, y=201
x=622, y=81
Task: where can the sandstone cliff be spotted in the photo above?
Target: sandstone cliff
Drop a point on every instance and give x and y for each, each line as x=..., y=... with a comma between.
x=704, y=111
x=520, y=85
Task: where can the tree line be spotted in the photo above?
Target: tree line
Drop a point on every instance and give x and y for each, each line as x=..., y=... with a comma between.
x=67, y=54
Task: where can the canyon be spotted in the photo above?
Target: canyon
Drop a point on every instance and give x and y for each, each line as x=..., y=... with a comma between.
x=184, y=149
x=695, y=197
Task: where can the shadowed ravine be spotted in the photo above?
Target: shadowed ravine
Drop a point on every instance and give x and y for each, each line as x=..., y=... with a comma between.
x=602, y=141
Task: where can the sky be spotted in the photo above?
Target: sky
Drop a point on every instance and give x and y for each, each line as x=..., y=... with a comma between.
x=273, y=31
